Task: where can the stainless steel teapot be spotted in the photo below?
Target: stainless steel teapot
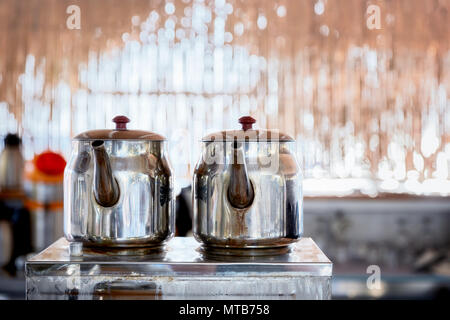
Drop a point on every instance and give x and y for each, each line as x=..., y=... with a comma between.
x=247, y=190
x=118, y=189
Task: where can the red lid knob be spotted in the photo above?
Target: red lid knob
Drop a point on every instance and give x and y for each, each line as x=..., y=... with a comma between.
x=247, y=122
x=121, y=122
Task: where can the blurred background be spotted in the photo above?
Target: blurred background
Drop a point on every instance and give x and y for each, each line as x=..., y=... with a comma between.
x=363, y=86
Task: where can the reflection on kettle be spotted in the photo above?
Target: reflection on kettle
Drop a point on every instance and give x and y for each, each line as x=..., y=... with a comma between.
x=106, y=190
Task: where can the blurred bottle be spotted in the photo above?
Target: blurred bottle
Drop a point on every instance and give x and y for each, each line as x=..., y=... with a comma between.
x=11, y=165
x=44, y=190
x=15, y=239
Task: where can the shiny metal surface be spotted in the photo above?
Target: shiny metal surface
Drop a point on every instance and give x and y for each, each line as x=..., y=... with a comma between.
x=240, y=190
x=182, y=256
x=274, y=216
x=106, y=190
x=180, y=271
x=143, y=214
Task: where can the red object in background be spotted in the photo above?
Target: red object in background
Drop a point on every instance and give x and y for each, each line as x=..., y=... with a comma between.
x=50, y=163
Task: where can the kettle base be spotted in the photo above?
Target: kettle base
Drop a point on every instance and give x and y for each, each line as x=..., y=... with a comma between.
x=211, y=251
x=128, y=251
x=88, y=249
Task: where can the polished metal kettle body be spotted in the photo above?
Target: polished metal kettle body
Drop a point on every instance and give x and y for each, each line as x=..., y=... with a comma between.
x=118, y=189
x=247, y=190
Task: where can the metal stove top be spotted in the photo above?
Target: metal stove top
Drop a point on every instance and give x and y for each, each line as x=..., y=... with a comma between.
x=185, y=256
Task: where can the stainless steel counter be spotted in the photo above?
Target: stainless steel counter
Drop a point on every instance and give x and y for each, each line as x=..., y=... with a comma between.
x=181, y=271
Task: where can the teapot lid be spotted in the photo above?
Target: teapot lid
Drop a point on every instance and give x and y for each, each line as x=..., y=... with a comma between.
x=247, y=133
x=119, y=133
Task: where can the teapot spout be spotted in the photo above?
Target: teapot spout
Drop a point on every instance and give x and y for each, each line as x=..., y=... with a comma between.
x=240, y=189
x=106, y=190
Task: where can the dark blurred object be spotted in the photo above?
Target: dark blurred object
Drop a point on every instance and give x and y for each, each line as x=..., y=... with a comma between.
x=44, y=191
x=14, y=217
x=16, y=240
x=12, y=140
x=183, y=220
x=406, y=237
x=396, y=286
x=409, y=233
x=442, y=293
x=11, y=164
